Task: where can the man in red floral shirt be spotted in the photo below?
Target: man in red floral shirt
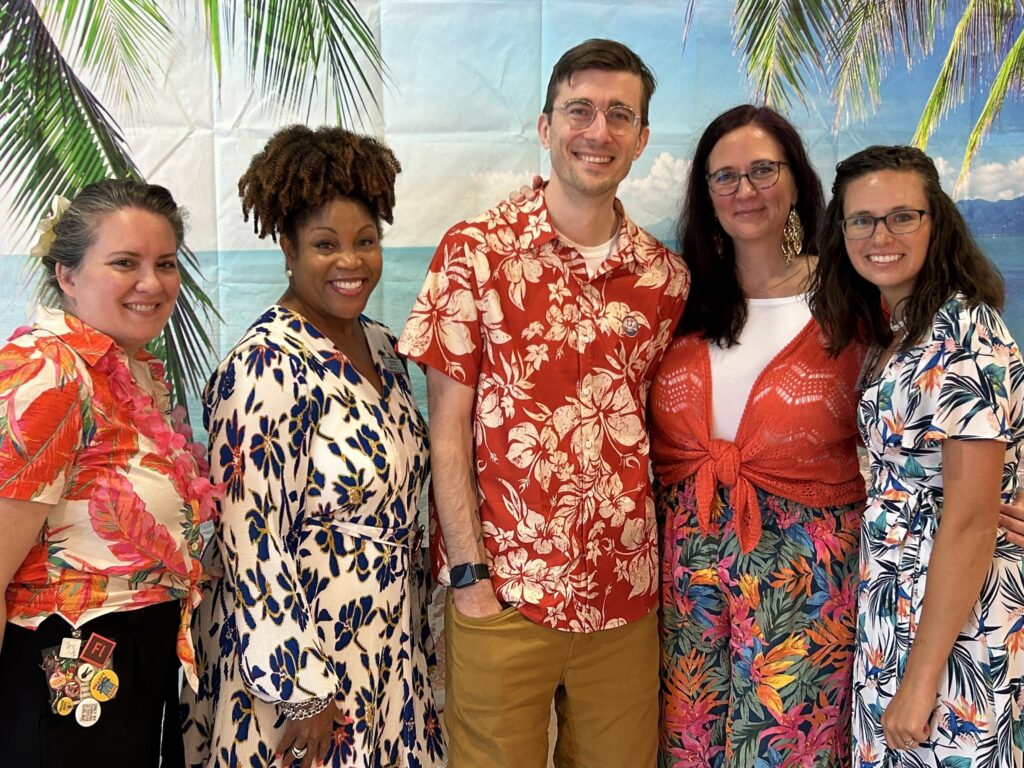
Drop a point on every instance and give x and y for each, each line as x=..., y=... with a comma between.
x=541, y=325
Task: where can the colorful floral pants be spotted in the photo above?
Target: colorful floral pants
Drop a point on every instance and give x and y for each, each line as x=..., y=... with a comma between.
x=757, y=649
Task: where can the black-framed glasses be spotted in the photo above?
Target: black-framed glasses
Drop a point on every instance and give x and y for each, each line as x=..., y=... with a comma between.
x=902, y=222
x=581, y=113
x=762, y=175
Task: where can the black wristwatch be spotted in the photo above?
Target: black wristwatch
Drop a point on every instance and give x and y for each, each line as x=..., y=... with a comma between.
x=468, y=574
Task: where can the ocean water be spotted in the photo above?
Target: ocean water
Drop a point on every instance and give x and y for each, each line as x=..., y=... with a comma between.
x=1008, y=255
x=243, y=283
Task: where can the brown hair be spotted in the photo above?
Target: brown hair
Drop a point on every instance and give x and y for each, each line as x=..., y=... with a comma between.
x=76, y=231
x=302, y=169
x=849, y=307
x=606, y=55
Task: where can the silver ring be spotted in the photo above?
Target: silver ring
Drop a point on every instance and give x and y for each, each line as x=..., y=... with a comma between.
x=299, y=753
x=909, y=744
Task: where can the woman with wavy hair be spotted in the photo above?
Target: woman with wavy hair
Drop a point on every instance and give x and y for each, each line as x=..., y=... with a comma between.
x=940, y=630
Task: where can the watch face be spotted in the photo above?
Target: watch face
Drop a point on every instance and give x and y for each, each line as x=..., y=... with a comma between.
x=467, y=574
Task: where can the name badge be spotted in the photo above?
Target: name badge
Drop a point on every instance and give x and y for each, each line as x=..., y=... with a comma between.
x=394, y=364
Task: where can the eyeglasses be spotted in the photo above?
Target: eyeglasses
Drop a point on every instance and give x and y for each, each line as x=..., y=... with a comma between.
x=762, y=175
x=581, y=113
x=898, y=222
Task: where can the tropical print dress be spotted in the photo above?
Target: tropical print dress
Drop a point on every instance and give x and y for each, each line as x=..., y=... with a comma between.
x=966, y=381
x=322, y=591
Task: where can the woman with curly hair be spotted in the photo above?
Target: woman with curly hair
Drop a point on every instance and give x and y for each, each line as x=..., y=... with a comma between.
x=939, y=666
x=314, y=645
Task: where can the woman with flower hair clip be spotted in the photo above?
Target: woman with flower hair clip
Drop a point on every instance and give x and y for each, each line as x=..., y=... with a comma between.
x=101, y=496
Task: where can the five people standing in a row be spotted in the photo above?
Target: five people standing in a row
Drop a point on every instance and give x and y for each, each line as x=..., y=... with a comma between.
x=541, y=325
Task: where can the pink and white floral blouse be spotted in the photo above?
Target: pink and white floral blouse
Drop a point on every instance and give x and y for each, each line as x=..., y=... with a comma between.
x=87, y=429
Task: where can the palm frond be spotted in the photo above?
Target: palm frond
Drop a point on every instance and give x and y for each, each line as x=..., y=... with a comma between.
x=291, y=45
x=981, y=40
x=120, y=40
x=213, y=20
x=781, y=43
x=863, y=47
x=1009, y=78
x=56, y=137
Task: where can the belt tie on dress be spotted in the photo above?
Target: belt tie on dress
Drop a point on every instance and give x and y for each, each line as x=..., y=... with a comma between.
x=724, y=467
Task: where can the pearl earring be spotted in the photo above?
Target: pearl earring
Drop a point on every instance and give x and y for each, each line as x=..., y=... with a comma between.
x=288, y=272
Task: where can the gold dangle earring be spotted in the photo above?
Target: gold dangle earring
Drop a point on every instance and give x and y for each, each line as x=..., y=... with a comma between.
x=792, y=237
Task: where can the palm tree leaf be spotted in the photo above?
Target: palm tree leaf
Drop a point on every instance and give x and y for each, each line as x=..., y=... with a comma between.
x=864, y=44
x=119, y=39
x=781, y=43
x=1009, y=78
x=980, y=40
x=56, y=137
x=292, y=47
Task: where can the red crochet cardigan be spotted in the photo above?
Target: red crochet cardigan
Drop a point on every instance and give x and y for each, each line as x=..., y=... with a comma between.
x=797, y=437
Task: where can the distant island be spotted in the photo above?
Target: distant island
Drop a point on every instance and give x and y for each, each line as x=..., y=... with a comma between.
x=985, y=218
x=994, y=217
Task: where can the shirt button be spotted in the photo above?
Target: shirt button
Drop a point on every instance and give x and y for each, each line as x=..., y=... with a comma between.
x=589, y=444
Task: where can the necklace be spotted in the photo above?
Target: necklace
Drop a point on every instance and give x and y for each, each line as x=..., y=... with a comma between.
x=897, y=326
x=759, y=293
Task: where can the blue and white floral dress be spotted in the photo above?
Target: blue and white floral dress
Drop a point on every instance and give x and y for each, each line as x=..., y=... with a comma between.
x=322, y=591
x=965, y=381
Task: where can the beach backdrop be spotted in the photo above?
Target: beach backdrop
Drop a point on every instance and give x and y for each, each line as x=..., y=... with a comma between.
x=459, y=102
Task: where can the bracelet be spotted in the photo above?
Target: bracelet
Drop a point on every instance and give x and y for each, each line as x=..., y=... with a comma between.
x=304, y=710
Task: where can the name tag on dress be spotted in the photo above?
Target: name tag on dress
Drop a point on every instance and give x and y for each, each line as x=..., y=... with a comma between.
x=394, y=364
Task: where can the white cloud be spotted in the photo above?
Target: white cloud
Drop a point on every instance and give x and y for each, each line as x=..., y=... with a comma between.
x=989, y=181
x=657, y=195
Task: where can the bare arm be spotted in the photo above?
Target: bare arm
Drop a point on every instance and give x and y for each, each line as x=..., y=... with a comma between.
x=972, y=473
x=453, y=476
x=20, y=522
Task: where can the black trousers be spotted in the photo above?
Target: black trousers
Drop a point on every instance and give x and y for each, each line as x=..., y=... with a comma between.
x=139, y=728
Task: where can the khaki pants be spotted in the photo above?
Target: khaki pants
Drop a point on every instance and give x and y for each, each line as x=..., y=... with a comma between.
x=503, y=671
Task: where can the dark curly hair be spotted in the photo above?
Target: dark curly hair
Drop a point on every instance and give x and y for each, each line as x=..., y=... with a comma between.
x=302, y=169
x=849, y=307
x=716, y=307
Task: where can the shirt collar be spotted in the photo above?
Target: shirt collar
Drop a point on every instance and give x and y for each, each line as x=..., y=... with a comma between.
x=89, y=343
x=532, y=226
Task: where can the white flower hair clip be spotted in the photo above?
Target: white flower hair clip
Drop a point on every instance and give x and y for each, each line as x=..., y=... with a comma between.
x=45, y=227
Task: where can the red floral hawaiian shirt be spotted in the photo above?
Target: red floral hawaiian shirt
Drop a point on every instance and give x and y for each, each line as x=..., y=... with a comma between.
x=562, y=363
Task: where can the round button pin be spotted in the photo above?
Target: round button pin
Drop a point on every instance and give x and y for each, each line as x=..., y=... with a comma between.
x=87, y=712
x=104, y=684
x=63, y=706
x=57, y=680
x=72, y=688
x=85, y=672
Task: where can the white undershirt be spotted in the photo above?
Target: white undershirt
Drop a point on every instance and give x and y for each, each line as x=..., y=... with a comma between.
x=593, y=255
x=771, y=325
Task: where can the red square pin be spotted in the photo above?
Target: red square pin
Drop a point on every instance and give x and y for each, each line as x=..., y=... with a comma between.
x=97, y=650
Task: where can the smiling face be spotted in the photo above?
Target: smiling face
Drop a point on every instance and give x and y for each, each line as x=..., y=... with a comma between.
x=128, y=279
x=591, y=162
x=751, y=215
x=336, y=262
x=890, y=262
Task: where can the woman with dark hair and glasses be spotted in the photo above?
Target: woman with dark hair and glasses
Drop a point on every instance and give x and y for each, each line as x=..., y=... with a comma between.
x=754, y=449
x=939, y=672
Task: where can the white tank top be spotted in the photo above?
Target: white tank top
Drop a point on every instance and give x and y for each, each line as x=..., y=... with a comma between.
x=771, y=325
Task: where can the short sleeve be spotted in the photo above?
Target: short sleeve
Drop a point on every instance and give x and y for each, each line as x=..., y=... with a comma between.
x=443, y=330
x=977, y=359
x=44, y=416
